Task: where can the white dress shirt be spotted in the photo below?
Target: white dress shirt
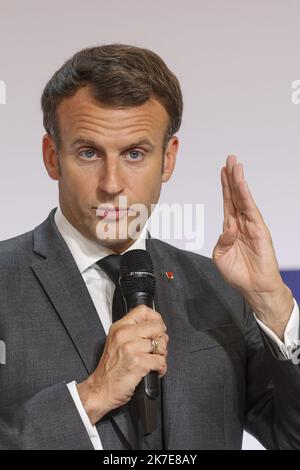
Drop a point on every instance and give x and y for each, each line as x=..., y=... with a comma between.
x=86, y=253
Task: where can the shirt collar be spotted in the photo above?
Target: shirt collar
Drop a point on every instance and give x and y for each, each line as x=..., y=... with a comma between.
x=87, y=252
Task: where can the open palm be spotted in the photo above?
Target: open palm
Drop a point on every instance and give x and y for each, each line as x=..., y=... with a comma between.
x=244, y=252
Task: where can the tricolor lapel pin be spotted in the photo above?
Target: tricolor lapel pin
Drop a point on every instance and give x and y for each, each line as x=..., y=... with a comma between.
x=170, y=275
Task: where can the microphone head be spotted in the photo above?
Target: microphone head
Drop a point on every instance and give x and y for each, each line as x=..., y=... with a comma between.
x=136, y=273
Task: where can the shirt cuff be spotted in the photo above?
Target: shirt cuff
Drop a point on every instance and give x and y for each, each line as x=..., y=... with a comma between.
x=90, y=429
x=291, y=333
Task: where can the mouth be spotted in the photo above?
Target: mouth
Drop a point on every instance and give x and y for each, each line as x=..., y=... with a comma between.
x=110, y=213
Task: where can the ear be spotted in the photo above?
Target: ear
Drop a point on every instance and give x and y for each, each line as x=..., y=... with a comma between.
x=50, y=157
x=170, y=158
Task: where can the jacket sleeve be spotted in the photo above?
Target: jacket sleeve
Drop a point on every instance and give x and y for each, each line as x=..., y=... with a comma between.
x=273, y=391
x=48, y=420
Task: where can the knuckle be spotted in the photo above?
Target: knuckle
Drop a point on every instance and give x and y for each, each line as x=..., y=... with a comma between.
x=144, y=309
x=133, y=362
x=160, y=324
x=119, y=335
x=127, y=348
x=156, y=315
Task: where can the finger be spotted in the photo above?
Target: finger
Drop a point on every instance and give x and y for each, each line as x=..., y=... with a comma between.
x=237, y=176
x=243, y=199
x=123, y=332
x=237, y=173
x=149, y=329
x=161, y=345
x=142, y=313
x=228, y=186
x=234, y=170
x=145, y=345
x=154, y=362
x=141, y=345
x=230, y=162
x=228, y=207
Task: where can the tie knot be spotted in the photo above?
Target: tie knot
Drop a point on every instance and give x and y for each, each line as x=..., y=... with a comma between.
x=111, y=266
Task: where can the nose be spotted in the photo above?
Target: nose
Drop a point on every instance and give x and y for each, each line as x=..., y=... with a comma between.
x=111, y=179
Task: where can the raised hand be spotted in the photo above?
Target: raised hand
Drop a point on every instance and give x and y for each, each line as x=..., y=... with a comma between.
x=244, y=252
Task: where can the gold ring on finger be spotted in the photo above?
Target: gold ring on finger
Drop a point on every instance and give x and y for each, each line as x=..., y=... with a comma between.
x=154, y=346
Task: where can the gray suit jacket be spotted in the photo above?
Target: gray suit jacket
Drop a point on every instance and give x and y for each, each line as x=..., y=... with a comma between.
x=221, y=376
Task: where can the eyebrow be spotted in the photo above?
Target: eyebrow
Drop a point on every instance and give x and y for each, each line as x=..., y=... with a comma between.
x=91, y=143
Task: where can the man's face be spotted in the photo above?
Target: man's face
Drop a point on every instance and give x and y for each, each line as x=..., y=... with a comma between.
x=107, y=153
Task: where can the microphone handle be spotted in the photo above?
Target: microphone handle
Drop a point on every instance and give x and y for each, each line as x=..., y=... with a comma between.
x=147, y=390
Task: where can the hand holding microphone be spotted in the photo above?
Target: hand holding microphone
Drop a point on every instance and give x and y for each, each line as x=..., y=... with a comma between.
x=128, y=355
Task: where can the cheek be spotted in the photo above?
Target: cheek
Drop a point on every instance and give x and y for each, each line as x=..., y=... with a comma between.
x=148, y=190
x=78, y=185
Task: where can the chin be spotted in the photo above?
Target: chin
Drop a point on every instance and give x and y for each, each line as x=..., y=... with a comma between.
x=116, y=245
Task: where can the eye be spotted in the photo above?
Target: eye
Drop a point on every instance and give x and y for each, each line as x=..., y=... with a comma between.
x=135, y=155
x=88, y=153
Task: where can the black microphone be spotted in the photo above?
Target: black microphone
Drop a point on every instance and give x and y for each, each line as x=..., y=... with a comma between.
x=137, y=283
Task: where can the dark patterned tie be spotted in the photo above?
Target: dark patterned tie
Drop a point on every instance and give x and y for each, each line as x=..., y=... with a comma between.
x=111, y=266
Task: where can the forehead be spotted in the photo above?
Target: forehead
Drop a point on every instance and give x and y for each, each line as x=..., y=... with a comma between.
x=82, y=114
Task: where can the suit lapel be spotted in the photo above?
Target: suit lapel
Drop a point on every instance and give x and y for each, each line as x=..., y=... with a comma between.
x=62, y=282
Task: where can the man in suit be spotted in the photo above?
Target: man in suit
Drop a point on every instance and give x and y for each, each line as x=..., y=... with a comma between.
x=223, y=330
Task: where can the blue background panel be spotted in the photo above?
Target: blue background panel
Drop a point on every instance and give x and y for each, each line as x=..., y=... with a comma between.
x=292, y=279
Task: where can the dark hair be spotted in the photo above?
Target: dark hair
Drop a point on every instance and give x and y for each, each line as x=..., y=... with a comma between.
x=119, y=75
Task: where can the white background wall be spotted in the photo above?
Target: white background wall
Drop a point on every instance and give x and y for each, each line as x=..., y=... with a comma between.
x=236, y=61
